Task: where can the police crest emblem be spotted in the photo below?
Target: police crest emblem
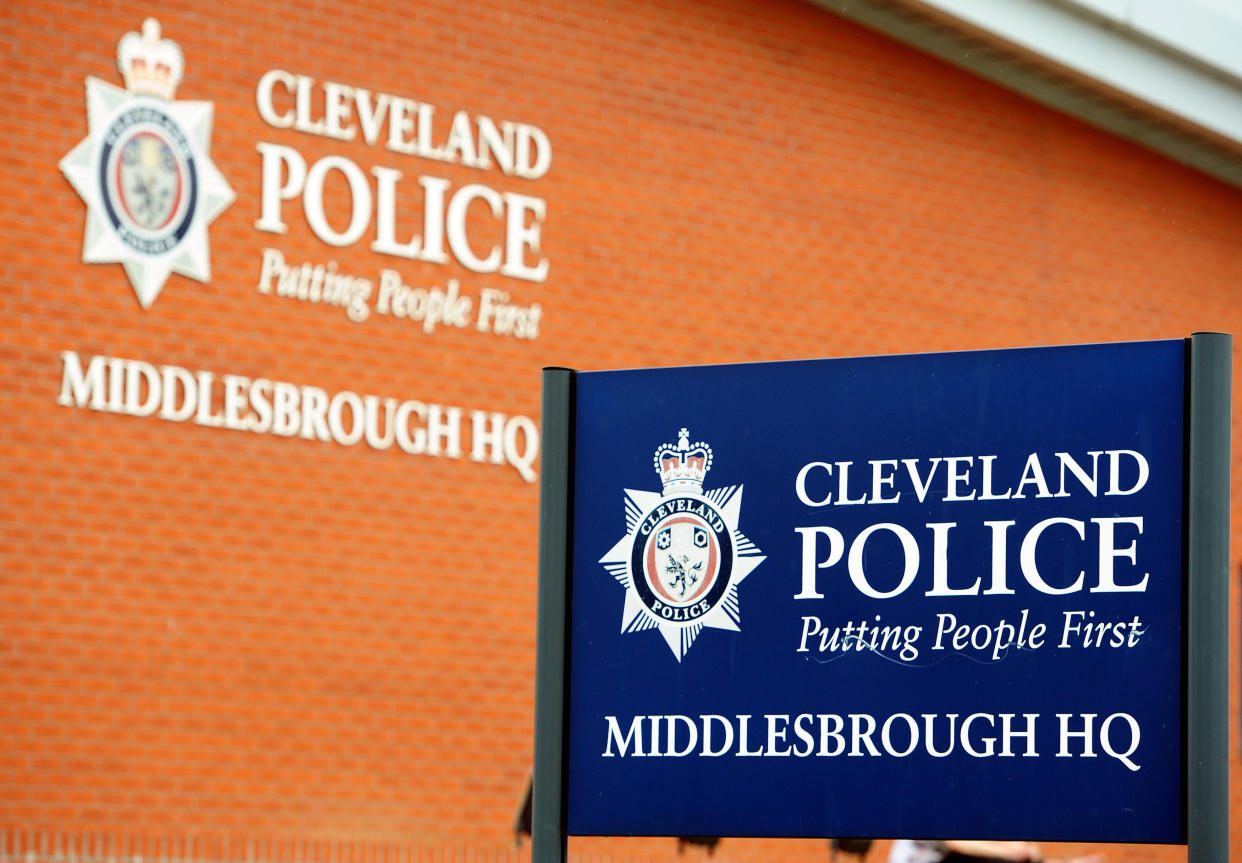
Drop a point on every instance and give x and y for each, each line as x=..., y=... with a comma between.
x=682, y=556
x=144, y=169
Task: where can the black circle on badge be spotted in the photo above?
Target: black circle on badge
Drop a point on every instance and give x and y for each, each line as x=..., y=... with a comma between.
x=682, y=566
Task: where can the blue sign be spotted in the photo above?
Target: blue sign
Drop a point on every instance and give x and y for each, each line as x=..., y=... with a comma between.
x=908, y=596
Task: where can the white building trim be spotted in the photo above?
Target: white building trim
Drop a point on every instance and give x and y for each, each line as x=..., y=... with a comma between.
x=1163, y=73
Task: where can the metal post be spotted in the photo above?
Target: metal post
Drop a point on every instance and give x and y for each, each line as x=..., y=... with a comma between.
x=548, y=837
x=1207, y=612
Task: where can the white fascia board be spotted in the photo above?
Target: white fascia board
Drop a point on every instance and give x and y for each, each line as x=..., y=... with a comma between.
x=1157, y=53
x=1208, y=31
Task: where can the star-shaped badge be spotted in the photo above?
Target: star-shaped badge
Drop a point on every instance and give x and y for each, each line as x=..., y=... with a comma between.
x=145, y=170
x=682, y=557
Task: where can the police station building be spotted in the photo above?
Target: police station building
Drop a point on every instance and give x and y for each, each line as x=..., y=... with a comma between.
x=278, y=283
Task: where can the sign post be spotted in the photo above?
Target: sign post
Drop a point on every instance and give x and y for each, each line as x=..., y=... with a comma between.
x=973, y=595
x=548, y=836
x=1207, y=615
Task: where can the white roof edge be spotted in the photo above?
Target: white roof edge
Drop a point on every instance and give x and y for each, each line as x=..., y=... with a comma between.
x=1208, y=31
x=1115, y=64
x=1171, y=56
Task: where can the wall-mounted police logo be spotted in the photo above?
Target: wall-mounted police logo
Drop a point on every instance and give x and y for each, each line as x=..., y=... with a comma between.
x=144, y=171
x=682, y=556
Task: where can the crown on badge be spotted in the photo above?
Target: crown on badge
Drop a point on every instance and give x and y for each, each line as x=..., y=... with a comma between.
x=683, y=467
x=150, y=65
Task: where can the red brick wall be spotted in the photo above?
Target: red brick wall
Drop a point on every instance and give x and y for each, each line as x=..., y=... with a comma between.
x=217, y=645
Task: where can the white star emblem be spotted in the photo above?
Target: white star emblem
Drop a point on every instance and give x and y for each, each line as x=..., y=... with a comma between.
x=680, y=607
x=168, y=240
